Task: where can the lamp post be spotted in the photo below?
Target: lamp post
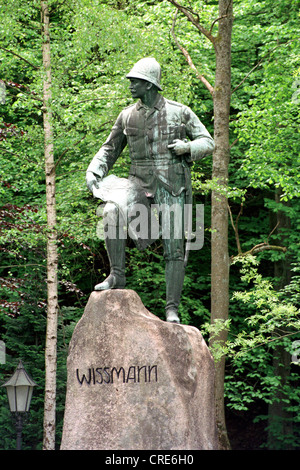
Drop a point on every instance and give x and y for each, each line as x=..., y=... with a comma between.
x=19, y=391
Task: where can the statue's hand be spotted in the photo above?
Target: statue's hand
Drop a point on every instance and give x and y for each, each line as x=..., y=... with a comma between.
x=179, y=147
x=91, y=180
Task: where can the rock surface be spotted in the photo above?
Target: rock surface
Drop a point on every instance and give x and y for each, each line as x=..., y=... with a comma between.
x=137, y=382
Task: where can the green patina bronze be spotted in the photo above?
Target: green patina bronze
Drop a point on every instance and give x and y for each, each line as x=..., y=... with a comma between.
x=164, y=139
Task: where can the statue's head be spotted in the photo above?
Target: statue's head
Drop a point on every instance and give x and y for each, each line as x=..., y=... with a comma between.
x=147, y=69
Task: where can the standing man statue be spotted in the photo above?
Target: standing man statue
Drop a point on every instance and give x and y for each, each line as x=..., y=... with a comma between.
x=164, y=139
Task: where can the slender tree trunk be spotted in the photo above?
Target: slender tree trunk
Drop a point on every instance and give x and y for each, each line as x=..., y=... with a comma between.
x=219, y=211
x=279, y=418
x=52, y=258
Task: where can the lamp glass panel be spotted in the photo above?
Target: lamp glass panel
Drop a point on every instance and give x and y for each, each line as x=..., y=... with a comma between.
x=23, y=396
x=11, y=398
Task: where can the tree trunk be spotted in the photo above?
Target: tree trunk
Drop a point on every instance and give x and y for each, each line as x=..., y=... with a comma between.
x=52, y=258
x=219, y=211
x=278, y=416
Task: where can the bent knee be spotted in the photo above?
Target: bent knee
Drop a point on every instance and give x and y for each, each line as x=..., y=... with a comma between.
x=111, y=213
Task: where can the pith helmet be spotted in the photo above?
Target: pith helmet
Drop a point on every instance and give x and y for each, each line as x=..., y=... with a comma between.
x=147, y=69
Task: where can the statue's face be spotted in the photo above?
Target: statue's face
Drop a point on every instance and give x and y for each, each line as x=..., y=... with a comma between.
x=138, y=87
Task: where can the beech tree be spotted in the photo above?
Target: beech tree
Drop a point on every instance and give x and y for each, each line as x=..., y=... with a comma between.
x=221, y=94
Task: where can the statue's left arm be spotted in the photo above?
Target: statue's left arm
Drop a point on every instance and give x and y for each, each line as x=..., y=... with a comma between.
x=201, y=142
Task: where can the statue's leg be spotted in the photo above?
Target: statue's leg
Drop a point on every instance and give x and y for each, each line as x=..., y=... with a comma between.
x=172, y=220
x=174, y=283
x=115, y=243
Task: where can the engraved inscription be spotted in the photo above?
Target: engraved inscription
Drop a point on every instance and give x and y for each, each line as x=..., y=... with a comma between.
x=110, y=375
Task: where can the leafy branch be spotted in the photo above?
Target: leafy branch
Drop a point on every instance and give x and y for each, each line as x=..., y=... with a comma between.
x=255, y=249
x=274, y=318
x=260, y=62
x=189, y=59
x=20, y=57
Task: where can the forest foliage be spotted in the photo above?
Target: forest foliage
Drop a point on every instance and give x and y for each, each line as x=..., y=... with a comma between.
x=93, y=45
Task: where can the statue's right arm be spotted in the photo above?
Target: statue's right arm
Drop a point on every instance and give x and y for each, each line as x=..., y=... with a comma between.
x=107, y=155
x=91, y=180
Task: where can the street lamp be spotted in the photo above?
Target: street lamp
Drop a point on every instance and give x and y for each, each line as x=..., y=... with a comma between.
x=19, y=391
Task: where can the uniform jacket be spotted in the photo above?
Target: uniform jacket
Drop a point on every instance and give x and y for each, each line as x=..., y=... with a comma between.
x=148, y=132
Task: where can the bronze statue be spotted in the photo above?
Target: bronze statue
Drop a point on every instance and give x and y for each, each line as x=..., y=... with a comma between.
x=164, y=139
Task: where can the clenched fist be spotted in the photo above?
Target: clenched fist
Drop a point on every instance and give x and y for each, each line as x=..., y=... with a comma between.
x=179, y=147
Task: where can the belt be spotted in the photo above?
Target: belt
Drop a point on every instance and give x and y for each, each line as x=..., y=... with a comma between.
x=157, y=162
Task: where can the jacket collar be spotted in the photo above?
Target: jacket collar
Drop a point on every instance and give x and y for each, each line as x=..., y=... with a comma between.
x=159, y=103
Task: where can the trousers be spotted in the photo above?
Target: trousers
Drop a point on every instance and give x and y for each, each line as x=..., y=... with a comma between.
x=169, y=213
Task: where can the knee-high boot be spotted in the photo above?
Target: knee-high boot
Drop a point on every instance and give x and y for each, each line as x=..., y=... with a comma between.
x=174, y=282
x=115, y=247
x=116, y=255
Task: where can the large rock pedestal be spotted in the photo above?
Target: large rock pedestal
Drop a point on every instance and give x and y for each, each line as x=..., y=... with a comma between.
x=137, y=382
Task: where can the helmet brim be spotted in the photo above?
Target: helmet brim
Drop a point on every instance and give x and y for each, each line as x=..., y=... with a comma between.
x=141, y=76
